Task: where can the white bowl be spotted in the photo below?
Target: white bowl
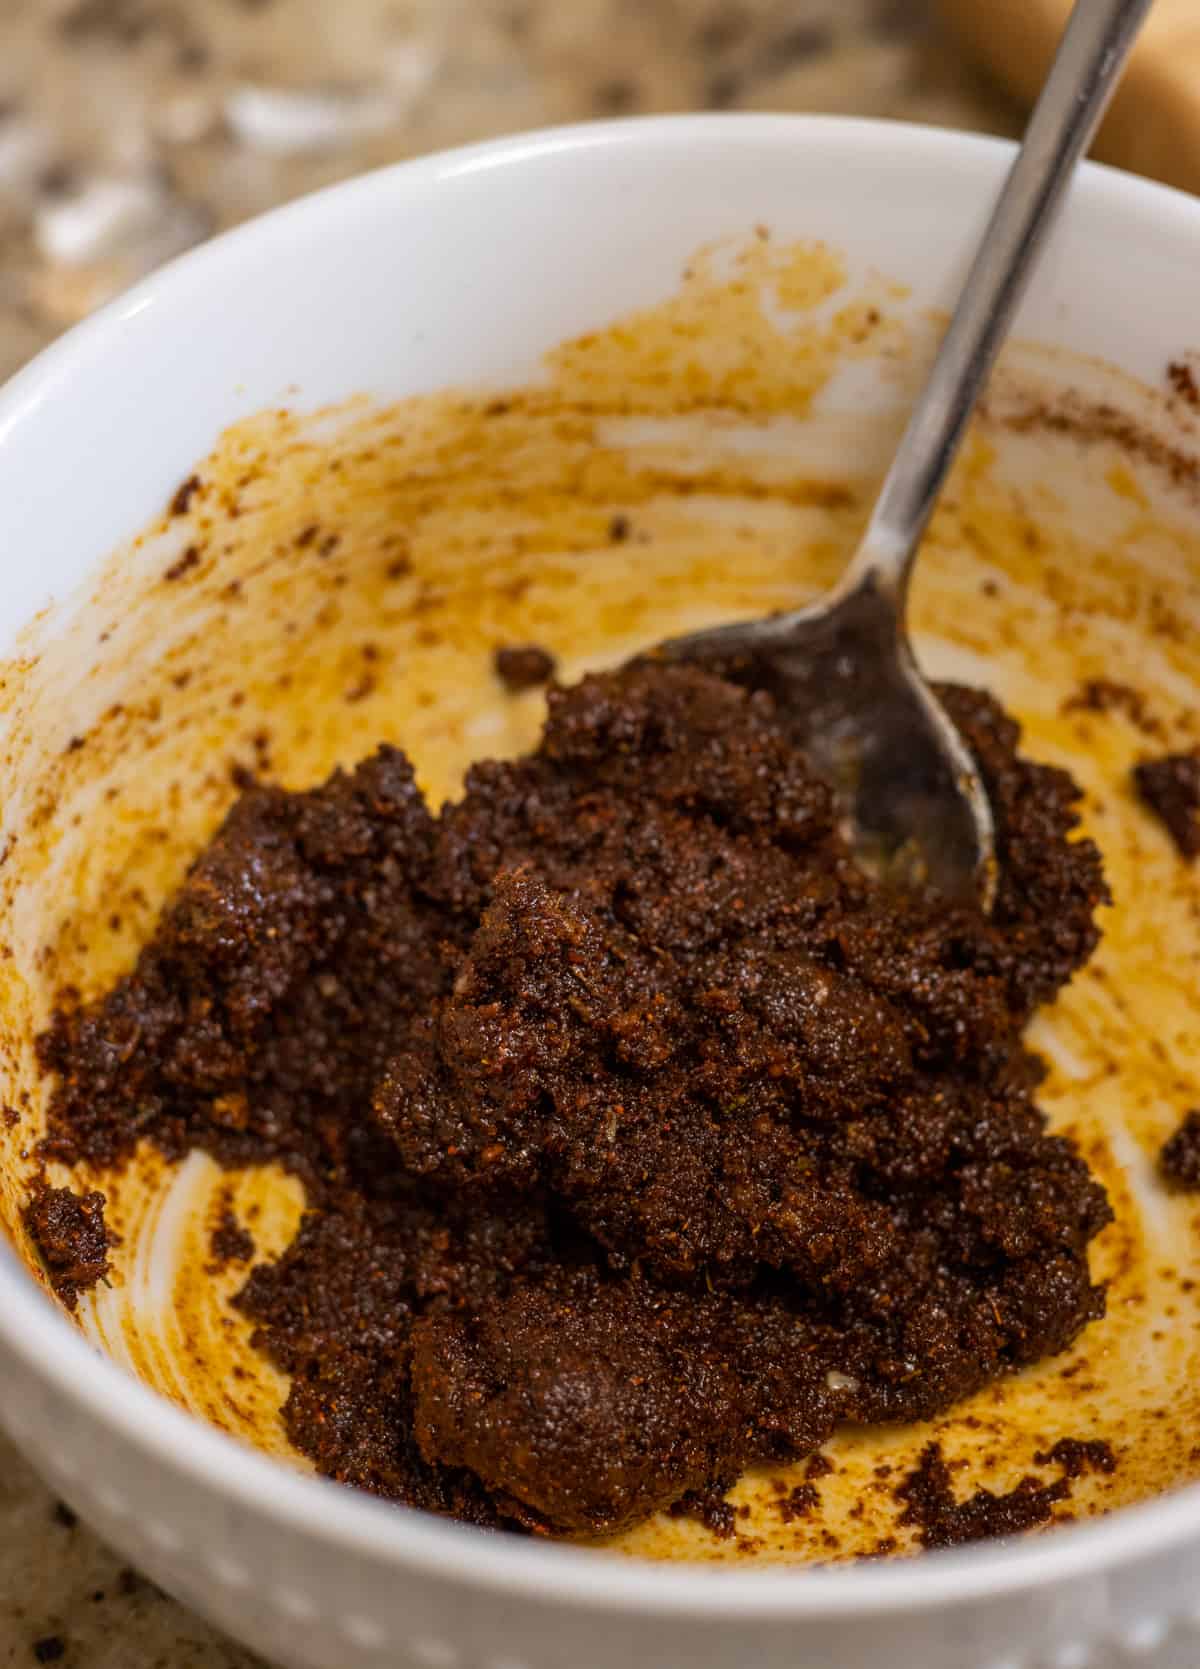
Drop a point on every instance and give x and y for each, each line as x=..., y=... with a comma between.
x=464, y=268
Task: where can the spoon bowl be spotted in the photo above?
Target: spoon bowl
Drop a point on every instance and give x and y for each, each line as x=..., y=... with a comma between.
x=843, y=673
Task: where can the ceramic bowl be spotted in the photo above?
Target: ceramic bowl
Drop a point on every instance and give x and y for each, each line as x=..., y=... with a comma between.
x=464, y=269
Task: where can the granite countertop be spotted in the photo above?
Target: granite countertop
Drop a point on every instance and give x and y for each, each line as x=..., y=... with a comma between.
x=132, y=129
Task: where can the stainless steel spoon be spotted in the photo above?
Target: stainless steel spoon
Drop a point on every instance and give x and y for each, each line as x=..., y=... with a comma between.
x=844, y=666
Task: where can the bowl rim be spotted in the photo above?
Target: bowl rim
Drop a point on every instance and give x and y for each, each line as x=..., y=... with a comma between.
x=35, y=1330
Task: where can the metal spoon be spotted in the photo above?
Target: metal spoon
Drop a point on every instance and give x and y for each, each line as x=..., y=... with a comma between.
x=844, y=666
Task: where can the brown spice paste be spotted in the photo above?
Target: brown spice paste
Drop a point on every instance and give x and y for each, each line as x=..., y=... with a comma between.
x=943, y=1521
x=645, y=1137
x=69, y=1232
x=1170, y=786
x=1179, y=1160
x=230, y=1242
x=523, y=666
x=1108, y=695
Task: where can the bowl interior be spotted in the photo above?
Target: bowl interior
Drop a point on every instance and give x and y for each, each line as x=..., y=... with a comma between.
x=757, y=313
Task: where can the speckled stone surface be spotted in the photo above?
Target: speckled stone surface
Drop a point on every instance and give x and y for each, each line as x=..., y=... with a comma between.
x=131, y=129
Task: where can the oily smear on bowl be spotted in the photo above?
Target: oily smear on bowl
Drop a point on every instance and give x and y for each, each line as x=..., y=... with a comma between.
x=330, y=581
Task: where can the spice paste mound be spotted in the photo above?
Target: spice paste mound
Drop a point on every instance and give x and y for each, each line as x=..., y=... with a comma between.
x=645, y=1136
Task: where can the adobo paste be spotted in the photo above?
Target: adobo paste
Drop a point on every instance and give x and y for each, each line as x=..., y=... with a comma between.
x=644, y=1135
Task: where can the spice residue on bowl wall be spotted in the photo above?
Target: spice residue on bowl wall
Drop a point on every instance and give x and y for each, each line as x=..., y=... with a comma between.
x=684, y=467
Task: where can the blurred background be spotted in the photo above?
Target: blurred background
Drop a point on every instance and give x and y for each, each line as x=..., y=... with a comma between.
x=131, y=130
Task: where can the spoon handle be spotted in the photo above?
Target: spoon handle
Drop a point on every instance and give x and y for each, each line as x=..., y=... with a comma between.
x=1090, y=58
